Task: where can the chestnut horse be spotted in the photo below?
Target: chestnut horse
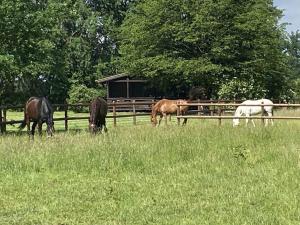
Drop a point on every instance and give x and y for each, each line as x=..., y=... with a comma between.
x=166, y=107
x=98, y=112
x=38, y=110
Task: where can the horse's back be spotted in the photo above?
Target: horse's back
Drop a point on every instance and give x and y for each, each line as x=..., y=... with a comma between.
x=255, y=109
x=98, y=107
x=38, y=108
x=103, y=106
x=267, y=102
x=169, y=106
x=157, y=105
x=32, y=107
x=257, y=102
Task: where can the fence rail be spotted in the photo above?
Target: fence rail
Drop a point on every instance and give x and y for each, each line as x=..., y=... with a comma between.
x=222, y=107
x=114, y=107
x=214, y=109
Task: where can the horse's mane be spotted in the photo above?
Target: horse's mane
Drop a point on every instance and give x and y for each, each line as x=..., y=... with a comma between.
x=98, y=105
x=32, y=98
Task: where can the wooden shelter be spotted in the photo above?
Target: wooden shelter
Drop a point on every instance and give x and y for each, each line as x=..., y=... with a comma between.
x=124, y=86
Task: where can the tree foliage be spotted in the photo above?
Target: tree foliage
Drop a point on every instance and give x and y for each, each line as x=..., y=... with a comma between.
x=292, y=49
x=208, y=43
x=48, y=46
x=231, y=48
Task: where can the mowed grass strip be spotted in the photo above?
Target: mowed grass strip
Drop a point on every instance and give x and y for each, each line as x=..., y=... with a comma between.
x=197, y=174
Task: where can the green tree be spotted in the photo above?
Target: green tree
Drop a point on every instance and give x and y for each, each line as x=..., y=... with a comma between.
x=292, y=48
x=28, y=48
x=207, y=43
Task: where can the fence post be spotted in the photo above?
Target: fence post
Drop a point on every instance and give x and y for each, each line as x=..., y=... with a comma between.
x=212, y=110
x=219, y=114
x=178, y=114
x=199, y=107
x=262, y=113
x=1, y=129
x=114, y=114
x=4, y=120
x=134, y=112
x=66, y=116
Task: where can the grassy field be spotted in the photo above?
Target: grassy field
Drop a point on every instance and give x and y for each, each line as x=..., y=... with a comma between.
x=197, y=174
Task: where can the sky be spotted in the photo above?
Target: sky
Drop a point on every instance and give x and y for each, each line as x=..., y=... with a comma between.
x=291, y=13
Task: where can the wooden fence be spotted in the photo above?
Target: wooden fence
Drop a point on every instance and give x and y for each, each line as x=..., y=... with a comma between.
x=222, y=108
x=202, y=110
x=134, y=109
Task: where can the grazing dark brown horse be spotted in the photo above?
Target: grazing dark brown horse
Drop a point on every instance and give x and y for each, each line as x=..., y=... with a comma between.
x=166, y=107
x=39, y=111
x=98, y=112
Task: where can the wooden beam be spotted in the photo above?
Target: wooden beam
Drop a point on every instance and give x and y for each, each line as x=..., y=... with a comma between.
x=130, y=81
x=127, y=87
x=107, y=89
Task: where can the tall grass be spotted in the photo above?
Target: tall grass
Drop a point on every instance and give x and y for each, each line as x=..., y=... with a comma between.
x=197, y=174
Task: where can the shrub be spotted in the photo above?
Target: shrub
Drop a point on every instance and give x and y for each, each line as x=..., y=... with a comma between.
x=83, y=94
x=239, y=89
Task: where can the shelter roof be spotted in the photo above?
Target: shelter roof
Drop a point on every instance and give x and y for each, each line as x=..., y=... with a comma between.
x=113, y=77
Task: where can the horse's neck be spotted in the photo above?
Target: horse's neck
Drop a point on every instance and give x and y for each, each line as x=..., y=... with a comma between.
x=154, y=111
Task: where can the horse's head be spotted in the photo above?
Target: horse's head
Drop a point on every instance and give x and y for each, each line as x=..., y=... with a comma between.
x=92, y=127
x=153, y=120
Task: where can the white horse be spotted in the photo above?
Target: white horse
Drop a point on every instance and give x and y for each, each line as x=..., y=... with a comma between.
x=249, y=110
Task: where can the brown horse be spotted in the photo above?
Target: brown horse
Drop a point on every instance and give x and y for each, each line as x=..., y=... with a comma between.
x=98, y=112
x=38, y=110
x=166, y=107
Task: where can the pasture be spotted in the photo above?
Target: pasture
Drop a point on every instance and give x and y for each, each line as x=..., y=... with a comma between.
x=198, y=174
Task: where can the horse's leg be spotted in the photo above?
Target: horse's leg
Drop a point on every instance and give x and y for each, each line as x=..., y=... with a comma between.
x=33, y=128
x=40, y=124
x=271, y=118
x=253, y=122
x=49, y=127
x=266, y=123
x=247, y=119
x=166, y=119
x=27, y=119
x=160, y=118
x=170, y=117
x=184, y=120
x=105, y=128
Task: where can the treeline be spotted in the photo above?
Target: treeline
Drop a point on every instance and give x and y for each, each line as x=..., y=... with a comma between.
x=232, y=49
